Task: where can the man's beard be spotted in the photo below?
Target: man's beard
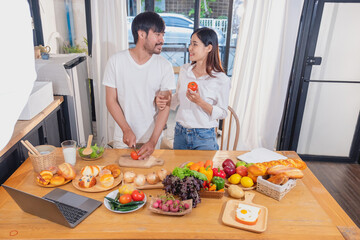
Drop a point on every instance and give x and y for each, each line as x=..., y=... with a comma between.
x=153, y=50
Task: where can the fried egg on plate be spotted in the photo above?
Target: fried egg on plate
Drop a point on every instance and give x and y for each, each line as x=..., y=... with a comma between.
x=247, y=214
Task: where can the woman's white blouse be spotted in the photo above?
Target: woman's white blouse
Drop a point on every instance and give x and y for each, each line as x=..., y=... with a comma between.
x=214, y=90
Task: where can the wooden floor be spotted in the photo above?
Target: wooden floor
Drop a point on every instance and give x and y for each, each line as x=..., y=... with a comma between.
x=343, y=182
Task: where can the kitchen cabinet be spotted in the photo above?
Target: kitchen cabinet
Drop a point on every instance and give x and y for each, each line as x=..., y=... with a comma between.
x=49, y=129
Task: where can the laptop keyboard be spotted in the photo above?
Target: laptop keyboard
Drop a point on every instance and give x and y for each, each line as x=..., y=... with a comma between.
x=72, y=214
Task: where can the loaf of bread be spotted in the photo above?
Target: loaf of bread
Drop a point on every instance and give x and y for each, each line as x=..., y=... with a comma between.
x=87, y=181
x=44, y=177
x=107, y=180
x=90, y=170
x=291, y=172
x=57, y=180
x=115, y=170
x=279, y=179
x=67, y=171
x=260, y=169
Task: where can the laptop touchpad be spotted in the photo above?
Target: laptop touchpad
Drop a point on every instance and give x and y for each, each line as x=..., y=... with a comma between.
x=72, y=199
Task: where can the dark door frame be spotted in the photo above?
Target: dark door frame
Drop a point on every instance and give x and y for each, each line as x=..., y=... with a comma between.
x=299, y=83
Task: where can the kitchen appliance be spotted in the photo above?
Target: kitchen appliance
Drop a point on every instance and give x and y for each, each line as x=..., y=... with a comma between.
x=69, y=75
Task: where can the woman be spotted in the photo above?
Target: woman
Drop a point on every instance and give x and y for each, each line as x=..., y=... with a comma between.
x=199, y=111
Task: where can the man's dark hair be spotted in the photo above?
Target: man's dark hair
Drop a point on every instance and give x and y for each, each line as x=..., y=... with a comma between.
x=146, y=21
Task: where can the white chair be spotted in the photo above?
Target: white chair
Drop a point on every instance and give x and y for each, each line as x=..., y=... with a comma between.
x=233, y=119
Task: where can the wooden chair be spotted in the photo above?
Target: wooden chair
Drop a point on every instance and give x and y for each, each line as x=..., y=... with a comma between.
x=232, y=118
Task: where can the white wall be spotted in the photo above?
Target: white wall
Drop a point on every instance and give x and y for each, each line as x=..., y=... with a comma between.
x=332, y=109
x=54, y=23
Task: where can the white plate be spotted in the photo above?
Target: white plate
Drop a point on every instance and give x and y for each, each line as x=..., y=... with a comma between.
x=113, y=195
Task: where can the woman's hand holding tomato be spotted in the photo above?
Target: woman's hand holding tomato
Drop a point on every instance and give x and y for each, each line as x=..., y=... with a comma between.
x=193, y=96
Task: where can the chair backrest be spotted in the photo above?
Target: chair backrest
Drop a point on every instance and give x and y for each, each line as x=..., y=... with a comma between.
x=232, y=118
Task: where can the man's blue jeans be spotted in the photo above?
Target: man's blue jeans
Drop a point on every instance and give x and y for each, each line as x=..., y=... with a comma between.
x=195, y=138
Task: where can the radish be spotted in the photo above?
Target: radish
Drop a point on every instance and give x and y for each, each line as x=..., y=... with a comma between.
x=169, y=202
x=155, y=205
x=186, y=206
x=177, y=201
x=158, y=201
x=174, y=208
x=165, y=208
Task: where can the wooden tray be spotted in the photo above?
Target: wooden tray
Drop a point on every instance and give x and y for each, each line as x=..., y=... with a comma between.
x=227, y=184
x=159, y=185
x=97, y=187
x=230, y=210
x=52, y=185
x=211, y=194
x=158, y=211
x=127, y=161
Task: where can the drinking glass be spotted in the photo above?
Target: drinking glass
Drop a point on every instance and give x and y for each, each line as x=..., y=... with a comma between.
x=69, y=151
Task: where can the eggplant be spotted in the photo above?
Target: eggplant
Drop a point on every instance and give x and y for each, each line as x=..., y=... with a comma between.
x=229, y=171
x=228, y=163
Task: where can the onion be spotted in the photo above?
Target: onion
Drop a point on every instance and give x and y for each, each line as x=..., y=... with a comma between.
x=162, y=174
x=129, y=176
x=139, y=180
x=152, y=178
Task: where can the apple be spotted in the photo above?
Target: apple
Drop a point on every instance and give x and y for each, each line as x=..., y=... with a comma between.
x=242, y=171
x=240, y=163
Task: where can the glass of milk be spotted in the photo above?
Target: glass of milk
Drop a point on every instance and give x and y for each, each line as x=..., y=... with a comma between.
x=69, y=151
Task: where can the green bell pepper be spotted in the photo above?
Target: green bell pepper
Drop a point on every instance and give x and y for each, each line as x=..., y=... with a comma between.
x=219, y=182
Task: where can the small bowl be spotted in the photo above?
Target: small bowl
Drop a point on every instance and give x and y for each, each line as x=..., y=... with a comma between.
x=93, y=156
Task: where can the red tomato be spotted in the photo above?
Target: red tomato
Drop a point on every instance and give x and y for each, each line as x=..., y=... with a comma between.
x=126, y=198
x=134, y=155
x=193, y=86
x=137, y=195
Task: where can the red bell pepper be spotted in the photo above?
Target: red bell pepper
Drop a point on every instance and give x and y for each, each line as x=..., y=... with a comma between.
x=219, y=173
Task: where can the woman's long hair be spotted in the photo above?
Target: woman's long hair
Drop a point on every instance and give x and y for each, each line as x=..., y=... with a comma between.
x=208, y=36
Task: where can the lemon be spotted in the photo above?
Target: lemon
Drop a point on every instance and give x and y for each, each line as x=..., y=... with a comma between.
x=234, y=179
x=247, y=182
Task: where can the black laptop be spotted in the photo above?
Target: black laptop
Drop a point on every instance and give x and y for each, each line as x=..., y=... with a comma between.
x=59, y=206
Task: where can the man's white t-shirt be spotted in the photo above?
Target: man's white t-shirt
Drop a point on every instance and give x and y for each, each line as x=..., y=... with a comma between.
x=137, y=85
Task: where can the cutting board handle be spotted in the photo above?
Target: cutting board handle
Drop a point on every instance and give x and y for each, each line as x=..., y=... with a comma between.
x=249, y=196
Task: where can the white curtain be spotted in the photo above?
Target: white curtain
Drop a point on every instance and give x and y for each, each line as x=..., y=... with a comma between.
x=262, y=65
x=109, y=29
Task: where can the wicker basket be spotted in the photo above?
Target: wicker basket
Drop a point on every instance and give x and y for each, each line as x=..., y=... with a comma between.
x=273, y=190
x=45, y=160
x=211, y=194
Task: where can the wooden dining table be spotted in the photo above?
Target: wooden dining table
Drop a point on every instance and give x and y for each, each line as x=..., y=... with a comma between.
x=308, y=211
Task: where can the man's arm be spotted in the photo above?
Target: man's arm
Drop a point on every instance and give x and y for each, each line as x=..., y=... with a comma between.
x=116, y=112
x=148, y=148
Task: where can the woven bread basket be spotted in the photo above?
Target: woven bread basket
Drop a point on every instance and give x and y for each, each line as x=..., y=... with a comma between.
x=45, y=160
x=273, y=190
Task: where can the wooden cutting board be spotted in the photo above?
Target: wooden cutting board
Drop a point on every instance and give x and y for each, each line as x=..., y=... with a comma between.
x=229, y=215
x=127, y=161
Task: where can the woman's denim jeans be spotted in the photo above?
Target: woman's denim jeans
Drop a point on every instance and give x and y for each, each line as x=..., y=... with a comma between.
x=195, y=138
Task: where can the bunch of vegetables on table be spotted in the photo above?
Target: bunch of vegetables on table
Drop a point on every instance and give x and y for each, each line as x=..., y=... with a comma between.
x=168, y=203
x=185, y=183
x=238, y=174
x=126, y=202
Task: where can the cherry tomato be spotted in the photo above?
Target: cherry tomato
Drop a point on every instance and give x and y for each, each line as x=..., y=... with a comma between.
x=137, y=195
x=126, y=198
x=134, y=155
x=193, y=86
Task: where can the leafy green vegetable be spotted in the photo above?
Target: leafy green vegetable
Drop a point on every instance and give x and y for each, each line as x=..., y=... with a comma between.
x=96, y=152
x=185, y=172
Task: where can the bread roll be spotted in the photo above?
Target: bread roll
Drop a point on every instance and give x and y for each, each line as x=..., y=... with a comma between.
x=291, y=172
x=279, y=179
x=257, y=169
x=57, y=180
x=115, y=170
x=67, y=171
x=44, y=177
x=53, y=169
x=107, y=180
x=91, y=170
x=87, y=181
x=104, y=171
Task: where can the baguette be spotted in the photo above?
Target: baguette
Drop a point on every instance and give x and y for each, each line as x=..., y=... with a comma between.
x=257, y=169
x=291, y=172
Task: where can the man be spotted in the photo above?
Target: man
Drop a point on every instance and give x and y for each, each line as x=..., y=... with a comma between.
x=133, y=78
